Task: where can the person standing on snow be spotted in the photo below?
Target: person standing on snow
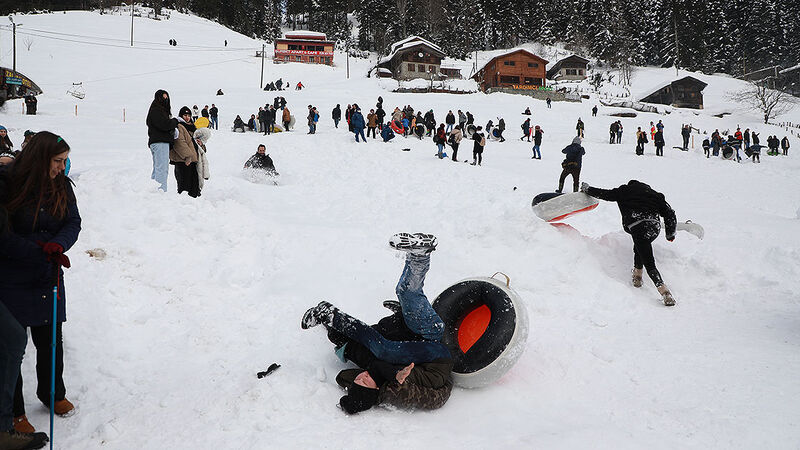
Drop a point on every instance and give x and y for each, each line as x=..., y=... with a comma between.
x=572, y=164
x=286, y=118
x=537, y=142
x=357, y=121
x=161, y=133
x=477, y=148
x=659, y=142
x=184, y=155
x=594, y=111
x=785, y=145
x=641, y=208
x=440, y=139
x=685, y=134
x=462, y=119
x=380, y=114
x=450, y=120
x=195, y=113
x=42, y=210
x=501, y=127
x=579, y=128
x=612, y=130
x=372, y=123
x=526, y=130
x=311, y=122
x=336, y=115
x=214, y=115
x=455, y=140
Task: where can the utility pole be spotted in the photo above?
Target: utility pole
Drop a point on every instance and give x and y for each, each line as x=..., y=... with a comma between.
x=14, y=27
x=132, y=5
x=263, y=46
x=347, y=41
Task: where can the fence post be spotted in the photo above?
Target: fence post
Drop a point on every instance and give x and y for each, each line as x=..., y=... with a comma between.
x=76, y=110
x=692, y=142
x=123, y=115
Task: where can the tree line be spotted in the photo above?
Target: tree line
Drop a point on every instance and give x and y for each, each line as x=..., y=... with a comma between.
x=728, y=36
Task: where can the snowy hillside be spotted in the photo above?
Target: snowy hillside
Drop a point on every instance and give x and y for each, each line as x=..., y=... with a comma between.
x=166, y=334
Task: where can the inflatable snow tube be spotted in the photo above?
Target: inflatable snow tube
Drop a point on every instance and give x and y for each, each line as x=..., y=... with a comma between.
x=470, y=130
x=486, y=329
x=202, y=122
x=495, y=134
x=291, y=122
x=396, y=127
x=727, y=152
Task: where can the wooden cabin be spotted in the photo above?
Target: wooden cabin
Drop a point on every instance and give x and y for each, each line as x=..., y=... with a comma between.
x=413, y=57
x=305, y=47
x=570, y=68
x=517, y=69
x=686, y=92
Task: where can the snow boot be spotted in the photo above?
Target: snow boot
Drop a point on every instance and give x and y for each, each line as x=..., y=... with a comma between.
x=416, y=244
x=22, y=425
x=636, y=277
x=14, y=440
x=666, y=295
x=393, y=306
x=63, y=407
x=322, y=313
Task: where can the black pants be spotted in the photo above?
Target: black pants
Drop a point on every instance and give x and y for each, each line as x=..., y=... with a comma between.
x=42, y=337
x=371, y=130
x=613, y=138
x=707, y=151
x=187, y=179
x=686, y=142
x=645, y=234
x=659, y=150
x=575, y=171
x=455, y=151
x=268, y=129
x=756, y=156
x=477, y=156
x=263, y=126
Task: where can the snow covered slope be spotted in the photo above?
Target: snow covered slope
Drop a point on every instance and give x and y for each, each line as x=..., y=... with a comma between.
x=166, y=334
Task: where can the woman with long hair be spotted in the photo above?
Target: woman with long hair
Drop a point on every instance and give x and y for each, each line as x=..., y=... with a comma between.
x=42, y=210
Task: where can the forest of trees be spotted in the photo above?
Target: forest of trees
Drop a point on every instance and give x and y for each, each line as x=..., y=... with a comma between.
x=730, y=36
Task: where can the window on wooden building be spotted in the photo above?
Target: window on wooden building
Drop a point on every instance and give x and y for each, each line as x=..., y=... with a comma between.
x=534, y=65
x=421, y=68
x=410, y=67
x=506, y=79
x=509, y=63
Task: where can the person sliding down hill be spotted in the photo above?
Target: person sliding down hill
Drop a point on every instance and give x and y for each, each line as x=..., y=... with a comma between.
x=641, y=206
x=402, y=360
x=262, y=162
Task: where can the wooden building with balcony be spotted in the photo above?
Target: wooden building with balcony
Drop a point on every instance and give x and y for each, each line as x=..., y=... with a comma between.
x=686, y=92
x=517, y=69
x=410, y=58
x=305, y=47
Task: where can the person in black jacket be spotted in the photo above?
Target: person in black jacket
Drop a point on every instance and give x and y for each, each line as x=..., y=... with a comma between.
x=572, y=164
x=271, y=112
x=161, y=132
x=785, y=145
x=214, y=116
x=43, y=210
x=262, y=161
x=641, y=207
x=336, y=115
x=501, y=127
x=477, y=147
x=379, y=115
x=659, y=141
x=450, y=120
x=262, y=119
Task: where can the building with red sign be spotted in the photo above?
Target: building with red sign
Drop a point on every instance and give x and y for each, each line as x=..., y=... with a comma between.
x=304, y=46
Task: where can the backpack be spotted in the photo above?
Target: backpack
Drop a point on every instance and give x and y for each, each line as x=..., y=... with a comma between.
x=483, y=141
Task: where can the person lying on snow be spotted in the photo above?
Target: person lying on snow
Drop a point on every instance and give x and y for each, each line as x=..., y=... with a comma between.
x=641, y=206
x=261, y=161
x=401, y=359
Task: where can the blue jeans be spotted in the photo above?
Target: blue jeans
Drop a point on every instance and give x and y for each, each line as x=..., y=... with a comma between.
x=13, y=339
x=449, y=128
x=336, y=123
x=160, y=151
x=536, y=152
x=214, y=122
x=417, y=310
x=360, y=132
x=440, y=147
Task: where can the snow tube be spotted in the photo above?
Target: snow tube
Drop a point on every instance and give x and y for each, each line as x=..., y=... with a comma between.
x=486, y=329
x=727, y=152
x=202, y=122
x=419, y=131
x=469, y=131
x=495, y=134
x=553, y=206
x=291, y=122
x=396, y=127
x=277, y=128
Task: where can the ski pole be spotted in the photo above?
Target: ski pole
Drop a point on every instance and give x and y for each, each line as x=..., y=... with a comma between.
x=53, y=358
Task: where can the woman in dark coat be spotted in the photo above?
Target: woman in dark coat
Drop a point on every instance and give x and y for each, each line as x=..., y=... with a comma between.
x=43, y=210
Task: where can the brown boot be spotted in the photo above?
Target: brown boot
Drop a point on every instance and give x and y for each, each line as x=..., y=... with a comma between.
x=636, y=277
x=666, y=295
x=63, y=407
x=14, y=440
x=22, y=425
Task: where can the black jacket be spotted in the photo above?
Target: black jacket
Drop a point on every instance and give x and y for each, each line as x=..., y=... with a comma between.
x=263, y=162
x=160, y=127
x=574, y=154
x=213, y=111
x=336, y=114
x=450, y=119
x=638, y=203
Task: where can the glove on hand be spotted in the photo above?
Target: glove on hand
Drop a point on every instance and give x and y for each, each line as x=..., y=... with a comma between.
x=584, y=187
x=51, y=247
x=55, y=253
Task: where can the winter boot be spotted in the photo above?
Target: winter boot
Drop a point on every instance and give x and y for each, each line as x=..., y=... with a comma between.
x=322, y=313
x=63, y=407
x=416, y=244
x=666, y=295
x=636, y=277
x=14, y=440
x=393, y=306
x=22, y=425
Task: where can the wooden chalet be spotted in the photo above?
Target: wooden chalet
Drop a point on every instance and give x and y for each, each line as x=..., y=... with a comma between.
x=686, y=92
x=517, y=69
x=304, y=46
x=570, y=68
x=413, y=57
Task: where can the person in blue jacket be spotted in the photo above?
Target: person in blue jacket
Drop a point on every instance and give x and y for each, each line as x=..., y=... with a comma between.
x=43, y=210
x=572, y=164
x=357, y=120
x=386, y=133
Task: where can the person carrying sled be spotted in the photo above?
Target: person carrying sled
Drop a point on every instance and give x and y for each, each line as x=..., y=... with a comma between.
x=261, y=161
x=572, y=164
x=641, y=208
x=401, y=359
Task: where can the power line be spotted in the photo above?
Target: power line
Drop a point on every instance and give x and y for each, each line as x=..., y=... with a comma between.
x=166, y=70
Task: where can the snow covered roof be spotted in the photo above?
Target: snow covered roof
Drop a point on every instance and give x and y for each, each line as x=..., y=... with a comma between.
x=513, y=50
x=304, y=33
x=663, y=79
x=790, y=69
x=407, y=43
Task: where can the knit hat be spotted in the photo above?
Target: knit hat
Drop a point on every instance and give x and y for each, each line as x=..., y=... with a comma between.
x=358, y=398
x=185, y=110
x=577, y=140
x=29, y=133
x=2, y=128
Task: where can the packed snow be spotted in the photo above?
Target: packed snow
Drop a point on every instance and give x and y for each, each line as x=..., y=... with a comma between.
x=165, y=334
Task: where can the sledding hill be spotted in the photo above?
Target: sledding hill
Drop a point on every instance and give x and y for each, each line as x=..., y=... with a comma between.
x=165, y=335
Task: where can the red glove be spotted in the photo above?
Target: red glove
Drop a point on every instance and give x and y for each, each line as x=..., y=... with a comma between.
x=51, y=247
